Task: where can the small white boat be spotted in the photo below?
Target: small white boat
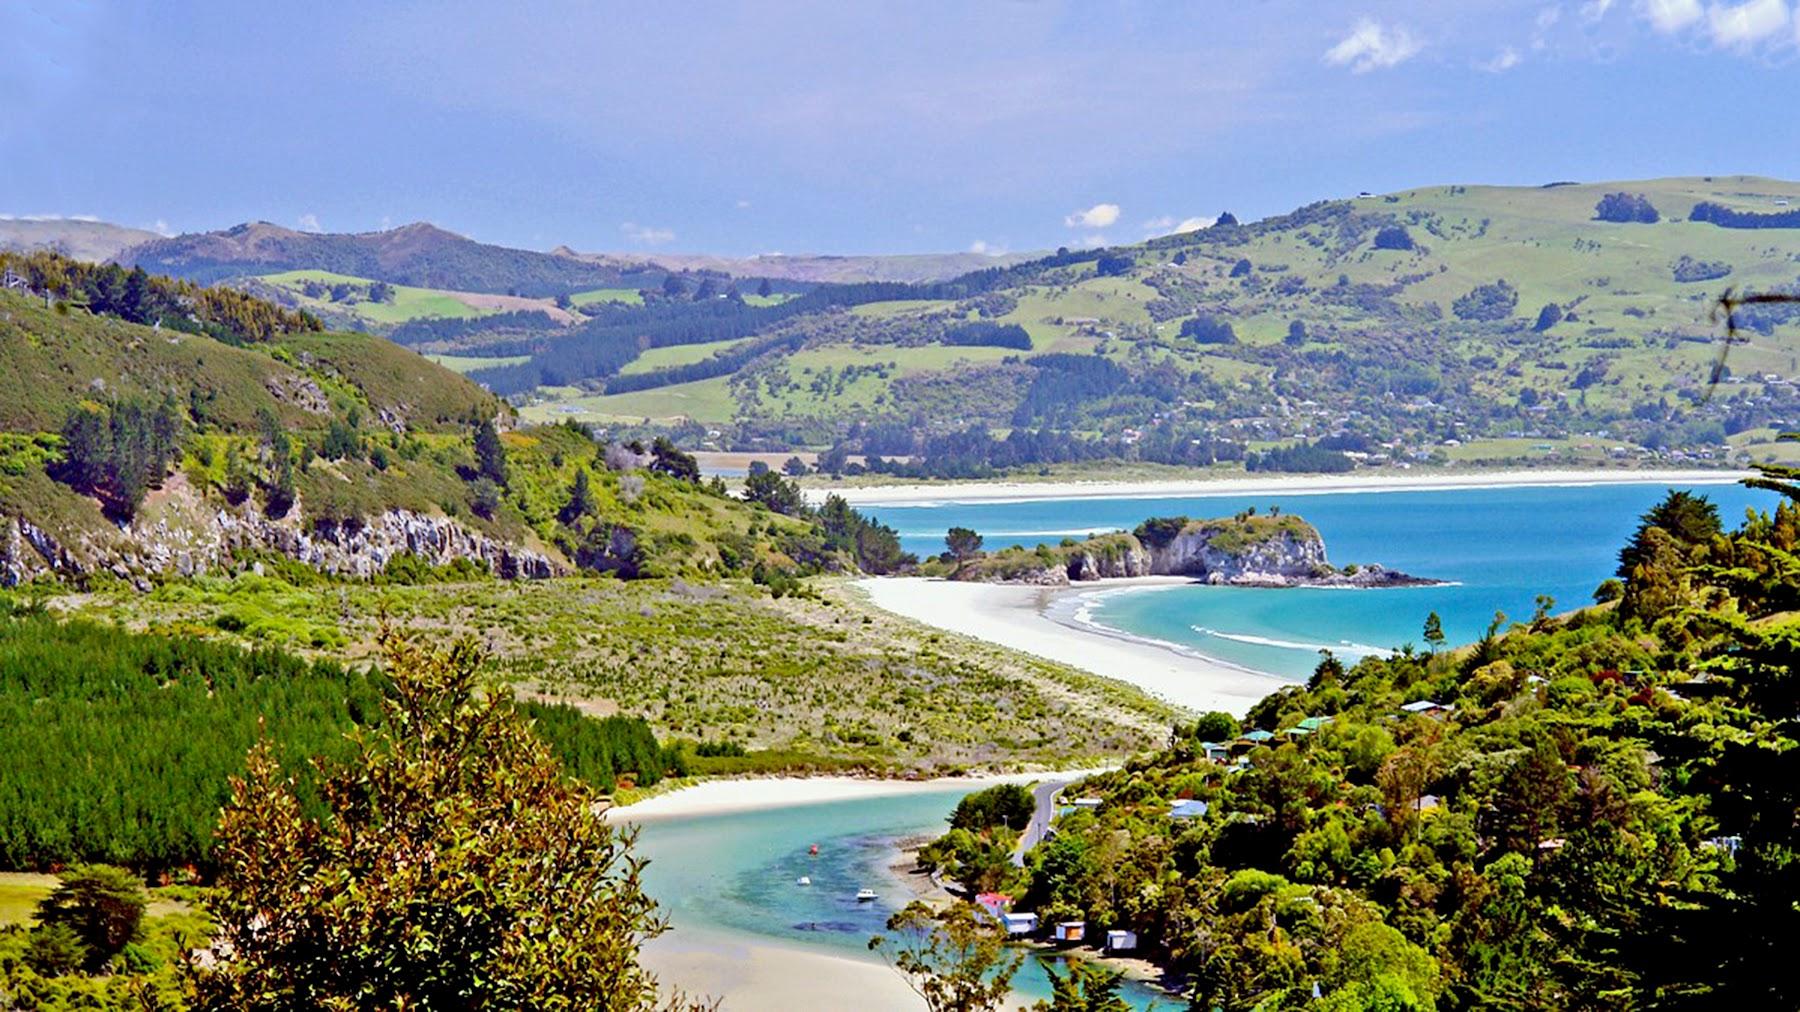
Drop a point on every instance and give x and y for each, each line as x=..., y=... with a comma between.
x=803, y=881
x=865, y=896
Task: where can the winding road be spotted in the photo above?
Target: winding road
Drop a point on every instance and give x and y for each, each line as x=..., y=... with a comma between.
x=1042, y=812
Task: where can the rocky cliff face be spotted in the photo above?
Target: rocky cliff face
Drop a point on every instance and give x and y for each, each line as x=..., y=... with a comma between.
x=213, y=540
x=1289, y=555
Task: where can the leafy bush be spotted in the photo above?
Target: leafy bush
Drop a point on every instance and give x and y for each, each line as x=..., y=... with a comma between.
x=1626, y=208
x=1204, y=329
x=1487, y=302
x=1687, y=270
x=1393, y=237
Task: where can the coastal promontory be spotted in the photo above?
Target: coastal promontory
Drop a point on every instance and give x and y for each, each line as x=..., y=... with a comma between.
x=1245, y=550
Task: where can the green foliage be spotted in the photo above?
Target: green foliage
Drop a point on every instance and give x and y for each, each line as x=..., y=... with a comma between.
x=1086, y=987
x=490, y=453
x=120, y=451
x=1008, y=805
x=963, y=543
x=1486, y=303
x=954, y=958
x=1626, y=208
x=458, y=866
x=84, y=705
x=100, y=906
x=772, y=490
x=139, y=297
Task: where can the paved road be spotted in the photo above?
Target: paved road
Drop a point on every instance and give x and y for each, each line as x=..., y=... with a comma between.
x=1043, y=811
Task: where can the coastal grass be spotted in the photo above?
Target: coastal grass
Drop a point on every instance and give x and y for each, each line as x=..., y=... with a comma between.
x=819, y=682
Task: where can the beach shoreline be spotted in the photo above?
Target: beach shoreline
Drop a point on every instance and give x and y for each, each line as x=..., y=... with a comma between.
x=1292, y=484
x=1046, y=622
x=735, y=795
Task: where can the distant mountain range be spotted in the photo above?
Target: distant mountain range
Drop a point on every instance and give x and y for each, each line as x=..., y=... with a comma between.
x=426, y=256
x=912, y=268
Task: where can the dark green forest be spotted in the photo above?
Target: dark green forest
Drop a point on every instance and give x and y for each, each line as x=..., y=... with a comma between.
x=119, y=745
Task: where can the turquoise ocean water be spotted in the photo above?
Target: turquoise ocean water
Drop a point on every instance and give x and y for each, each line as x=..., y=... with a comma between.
x=1498, y=548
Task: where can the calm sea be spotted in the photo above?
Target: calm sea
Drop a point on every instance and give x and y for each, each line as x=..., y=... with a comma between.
x=1497, y=548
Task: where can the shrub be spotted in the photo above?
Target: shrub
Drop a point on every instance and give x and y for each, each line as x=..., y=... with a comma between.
x=1393, y=237
x=1626, y=208
x=1205, y=329
x=1487, y=302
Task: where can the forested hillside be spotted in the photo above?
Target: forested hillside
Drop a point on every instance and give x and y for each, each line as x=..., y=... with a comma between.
x=1592, y=810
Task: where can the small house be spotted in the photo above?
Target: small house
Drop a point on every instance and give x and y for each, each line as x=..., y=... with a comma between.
x=1019, y=924
x=1121, y=941
x=1428, y=707
x=1313, y=723
x=1187, y=808
x=1217, y=752
x=1086, y=804
x=1427, y=802
x=1257, y=736
x=1070, y=931
x=993, y=903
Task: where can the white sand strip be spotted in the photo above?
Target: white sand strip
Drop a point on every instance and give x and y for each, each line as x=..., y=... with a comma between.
x=1295, y=484
x=752, y=975
x=748, y=794
x=1013, y=616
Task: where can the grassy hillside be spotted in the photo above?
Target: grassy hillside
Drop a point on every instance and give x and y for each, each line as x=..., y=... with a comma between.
x=821, y=679
x=1484, y=323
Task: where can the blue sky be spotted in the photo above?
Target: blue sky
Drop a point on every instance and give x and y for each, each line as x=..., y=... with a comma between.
x=847, y=126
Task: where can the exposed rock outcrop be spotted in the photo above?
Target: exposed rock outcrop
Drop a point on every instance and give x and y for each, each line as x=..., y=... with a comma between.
x=200, y=539
x=1240, y=551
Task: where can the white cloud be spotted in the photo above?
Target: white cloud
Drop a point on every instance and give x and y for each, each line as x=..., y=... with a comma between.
x=1098, y=216
x=1506, y=59
x=986, y=248
x=49, y=217
x=1168, y=224
x=161, y=227
x=647, y=234
x=1594, y=10
x=743, y=205
x=309, y=222
x=1548, y=17
x=1747, y=23
x=1374, y=46
x=1670, y=16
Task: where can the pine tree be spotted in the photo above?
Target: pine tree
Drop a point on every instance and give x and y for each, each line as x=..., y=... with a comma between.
x=490, y=453
x=581, y=499
x=1434, y=631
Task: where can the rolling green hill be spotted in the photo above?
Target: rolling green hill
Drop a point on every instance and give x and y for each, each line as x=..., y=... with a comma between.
x=340, y=451
x=1436, y=324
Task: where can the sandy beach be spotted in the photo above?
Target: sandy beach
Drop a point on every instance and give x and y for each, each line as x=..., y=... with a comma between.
x=752, y=974
x=1020, y=617
x=1295, y=484
x=752, y=794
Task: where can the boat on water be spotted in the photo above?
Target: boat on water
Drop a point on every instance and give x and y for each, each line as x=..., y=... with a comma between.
x=803, y=880
x=865, y=896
